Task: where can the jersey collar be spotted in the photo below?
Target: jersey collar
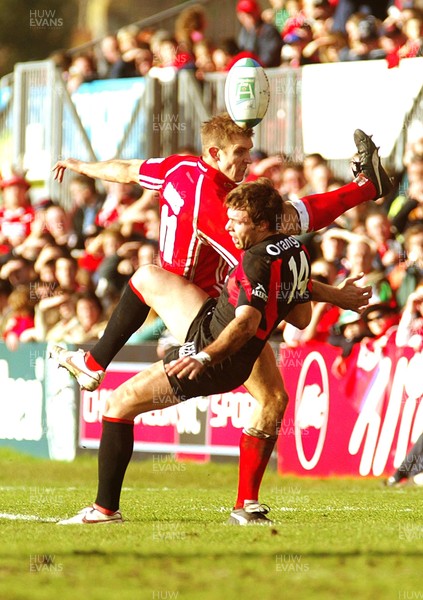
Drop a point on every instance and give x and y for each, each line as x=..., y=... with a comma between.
x=219, y=178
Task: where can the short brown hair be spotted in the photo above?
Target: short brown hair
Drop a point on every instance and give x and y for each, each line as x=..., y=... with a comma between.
x=261, y=201
x=221, y=130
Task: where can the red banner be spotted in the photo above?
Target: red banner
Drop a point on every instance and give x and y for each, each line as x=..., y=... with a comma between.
x=359, y=424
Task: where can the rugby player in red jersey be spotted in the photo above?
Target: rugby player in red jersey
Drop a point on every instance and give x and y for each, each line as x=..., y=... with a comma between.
x=195, y=244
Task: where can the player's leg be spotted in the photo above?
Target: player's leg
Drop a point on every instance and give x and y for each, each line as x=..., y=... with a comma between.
x=411, y=465
x=371, y=182
x=127, y=317
x=265, y=384
x=174, y=298
x=148, y=390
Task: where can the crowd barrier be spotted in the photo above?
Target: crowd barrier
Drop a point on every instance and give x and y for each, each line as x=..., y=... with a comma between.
x=359, y=425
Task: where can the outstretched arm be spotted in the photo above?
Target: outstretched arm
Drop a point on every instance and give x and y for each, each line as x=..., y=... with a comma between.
x=121, y=171
x=231, y=339
x=346, y=295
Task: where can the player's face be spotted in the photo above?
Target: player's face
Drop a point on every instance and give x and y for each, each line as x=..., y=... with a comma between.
x=242, y=230
x=234, y=159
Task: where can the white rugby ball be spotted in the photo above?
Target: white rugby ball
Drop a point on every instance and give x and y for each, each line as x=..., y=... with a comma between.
x=247, y=92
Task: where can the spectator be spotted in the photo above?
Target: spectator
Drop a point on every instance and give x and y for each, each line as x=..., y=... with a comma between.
x=58, y=224
x=203, y=57
x=327, y=47
x=292, y=181
x=82, y=70
x=86, y=206
x=66, y=274
x=127, y=38
x=407, y=274
x=410, y=328
x=333, y=247
x=118, y=66
x=118, y=197
x=360, y=259
x=228, y=53
x=263, y=39
x=392, y=40
x=20, y=318
x=407, y=209
x=346, y=8
x=382, y=321
x=295, y=43
x=309, y=162
x=171, y=58
x=88, y=324
x=349, y=330
x=321, y=178
x=107, y=279
x=364, y=39
x=52, y=317
x=279, y=13
x=16, y=213
x=143, y=60
x=413, y=30
x=18, y=271
x=266, y=166
x=190, y=26
x=389, y=250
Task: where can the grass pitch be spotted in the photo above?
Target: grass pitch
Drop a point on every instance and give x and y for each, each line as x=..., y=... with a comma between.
x=340, y=538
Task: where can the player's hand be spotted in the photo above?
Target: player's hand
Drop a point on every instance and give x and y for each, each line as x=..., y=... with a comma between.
x=61, y=166
x=185, y=367
x=353, y=296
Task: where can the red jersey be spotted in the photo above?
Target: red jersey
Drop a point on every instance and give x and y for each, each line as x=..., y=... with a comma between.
x=193, y=239
x=15, y=224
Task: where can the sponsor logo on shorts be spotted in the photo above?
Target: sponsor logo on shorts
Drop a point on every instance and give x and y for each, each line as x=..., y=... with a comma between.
x=187, y=349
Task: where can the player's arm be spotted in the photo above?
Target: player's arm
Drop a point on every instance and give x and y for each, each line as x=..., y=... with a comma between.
x=300, y=315
x=235, y=335
x=120, y=171
x=346, y=295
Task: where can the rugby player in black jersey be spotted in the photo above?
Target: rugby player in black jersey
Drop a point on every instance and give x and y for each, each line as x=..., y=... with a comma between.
x=270, y=283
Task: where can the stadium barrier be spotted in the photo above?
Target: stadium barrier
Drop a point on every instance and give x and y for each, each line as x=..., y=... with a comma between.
x=360, y=425
x=312, y=109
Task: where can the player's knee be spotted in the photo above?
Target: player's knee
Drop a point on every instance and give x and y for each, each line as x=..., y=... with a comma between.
x=143, y=279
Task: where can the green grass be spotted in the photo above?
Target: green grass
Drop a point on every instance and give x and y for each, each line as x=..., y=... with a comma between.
x=335, y=538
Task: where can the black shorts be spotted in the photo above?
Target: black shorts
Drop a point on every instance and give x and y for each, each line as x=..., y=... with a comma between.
x=223, y=377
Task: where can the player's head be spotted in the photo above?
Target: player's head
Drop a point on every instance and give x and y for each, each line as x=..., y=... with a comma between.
x=260, y=200
x=254, y=212
x=226, y=146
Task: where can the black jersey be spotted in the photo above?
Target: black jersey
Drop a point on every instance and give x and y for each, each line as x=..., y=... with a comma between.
x=272, y=276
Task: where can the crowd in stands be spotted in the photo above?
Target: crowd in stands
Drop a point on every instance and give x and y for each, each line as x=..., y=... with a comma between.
x=289, y=33
x=62, y=271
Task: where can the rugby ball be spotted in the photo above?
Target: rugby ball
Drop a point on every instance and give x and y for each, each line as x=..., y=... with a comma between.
x=247, y=92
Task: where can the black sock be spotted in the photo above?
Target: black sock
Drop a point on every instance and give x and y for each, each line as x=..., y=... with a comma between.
x=128, y=316
x=116, y=446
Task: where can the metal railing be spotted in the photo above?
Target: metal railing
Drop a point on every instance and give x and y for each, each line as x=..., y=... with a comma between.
x=39, y=124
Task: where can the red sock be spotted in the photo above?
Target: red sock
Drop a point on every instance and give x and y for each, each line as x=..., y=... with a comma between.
x=323, y=209
x=91, y=362
x=254, y=455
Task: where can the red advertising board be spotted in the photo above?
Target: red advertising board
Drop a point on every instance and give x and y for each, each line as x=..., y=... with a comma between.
x=362, y=423
x=200, y=428
x=359, y=424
